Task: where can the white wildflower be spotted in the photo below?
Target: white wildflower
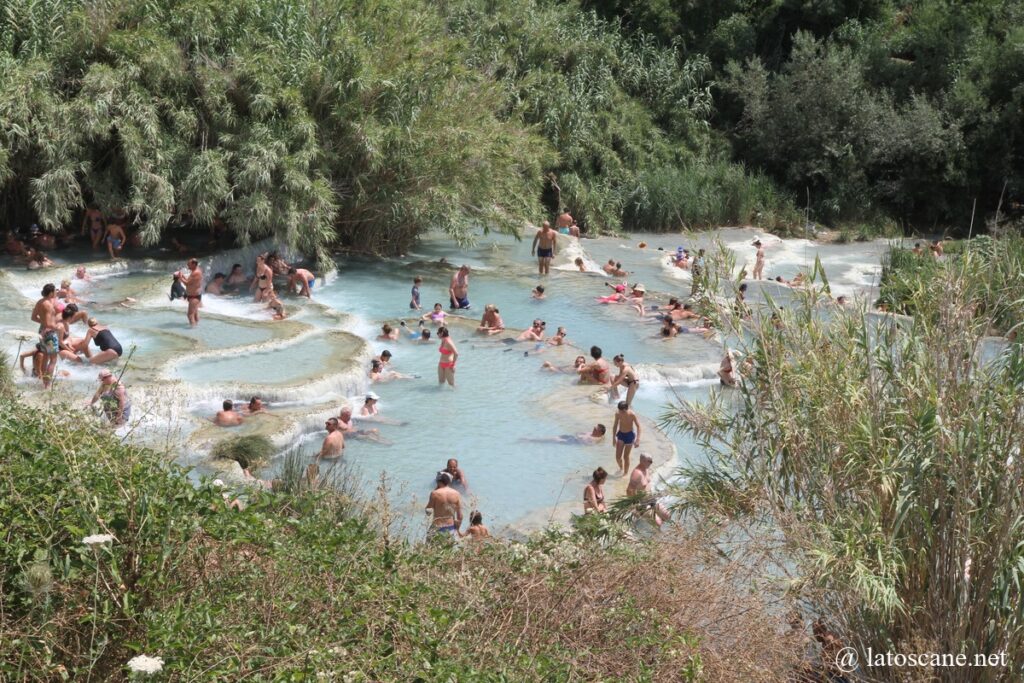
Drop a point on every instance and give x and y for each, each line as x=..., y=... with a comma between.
x=97, y=539
x=145, y=664
x=219, y=483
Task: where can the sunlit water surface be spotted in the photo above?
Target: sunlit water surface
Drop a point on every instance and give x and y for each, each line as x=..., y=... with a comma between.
x=310, y=365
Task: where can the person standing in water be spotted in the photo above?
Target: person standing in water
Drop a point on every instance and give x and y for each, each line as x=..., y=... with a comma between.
x=45, y=314
x=334, y=443
x=449, y=355
x=564, y=221
x=194, y=291
x=446, y=505
x=626, y=429
x=95, y=224
x=115, y=239
x=627, y=377
x=458, y=289
x=263, y=282
x=759, y=261
x=545, y=244
x=414, y=302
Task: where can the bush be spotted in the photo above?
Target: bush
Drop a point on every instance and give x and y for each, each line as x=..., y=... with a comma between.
x=991, y=273
x=884, y=453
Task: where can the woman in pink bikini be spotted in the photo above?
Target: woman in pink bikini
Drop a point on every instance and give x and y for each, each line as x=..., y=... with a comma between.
x=449, y=354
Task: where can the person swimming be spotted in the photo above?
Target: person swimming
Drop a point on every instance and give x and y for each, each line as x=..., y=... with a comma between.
x=619, y=295
x=591, y=438
x=567, y=369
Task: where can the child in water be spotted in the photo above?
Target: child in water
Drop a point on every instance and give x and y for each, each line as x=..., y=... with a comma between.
x=414, y=302
x=436, y=315
x=177, y=286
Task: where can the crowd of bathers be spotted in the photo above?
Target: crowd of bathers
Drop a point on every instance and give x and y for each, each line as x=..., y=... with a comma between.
x=59, y=310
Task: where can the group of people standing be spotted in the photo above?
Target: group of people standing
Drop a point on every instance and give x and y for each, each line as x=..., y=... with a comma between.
x=188, y=284
x=56, y=311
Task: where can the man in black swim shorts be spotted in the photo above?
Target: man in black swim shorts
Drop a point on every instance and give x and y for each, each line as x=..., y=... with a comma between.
x=545, y=245
x=194, y=291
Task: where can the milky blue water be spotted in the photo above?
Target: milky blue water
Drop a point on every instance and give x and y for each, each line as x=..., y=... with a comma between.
x=503, y=402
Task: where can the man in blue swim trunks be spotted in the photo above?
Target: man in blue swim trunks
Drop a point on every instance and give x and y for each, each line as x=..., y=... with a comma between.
x=115, y=239
x=545, y=245
x=446, y=506
x=45, y=314
x=626, y=428
x=302, y=279
x=458, y=289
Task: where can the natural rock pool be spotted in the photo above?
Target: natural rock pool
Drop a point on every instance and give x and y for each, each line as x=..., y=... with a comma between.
x=308, y=366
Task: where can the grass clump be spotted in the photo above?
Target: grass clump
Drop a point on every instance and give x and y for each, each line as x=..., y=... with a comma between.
x=252, y=450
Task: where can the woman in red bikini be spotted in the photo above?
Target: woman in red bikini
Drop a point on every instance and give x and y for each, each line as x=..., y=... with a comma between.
x=449, y=354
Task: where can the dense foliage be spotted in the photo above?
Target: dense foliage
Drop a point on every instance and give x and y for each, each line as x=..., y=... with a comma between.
x=364, y=122
x=882, y=454
x=871, y=109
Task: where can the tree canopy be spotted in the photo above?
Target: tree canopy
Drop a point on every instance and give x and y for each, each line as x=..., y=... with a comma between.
x=359, y=122
x=872, y=109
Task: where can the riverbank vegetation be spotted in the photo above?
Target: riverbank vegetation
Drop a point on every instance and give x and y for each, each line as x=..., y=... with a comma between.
x=362, y=123
x=365, y=123
x=864, y=110
x=307, y=584
x=882, y=455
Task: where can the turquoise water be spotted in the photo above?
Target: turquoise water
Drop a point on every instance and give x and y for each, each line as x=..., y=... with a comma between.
x=283, y=364
x=503, y=398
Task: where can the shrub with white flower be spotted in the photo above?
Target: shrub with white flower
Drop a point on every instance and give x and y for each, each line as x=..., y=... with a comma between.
x=97, y=540
x=145, y=664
